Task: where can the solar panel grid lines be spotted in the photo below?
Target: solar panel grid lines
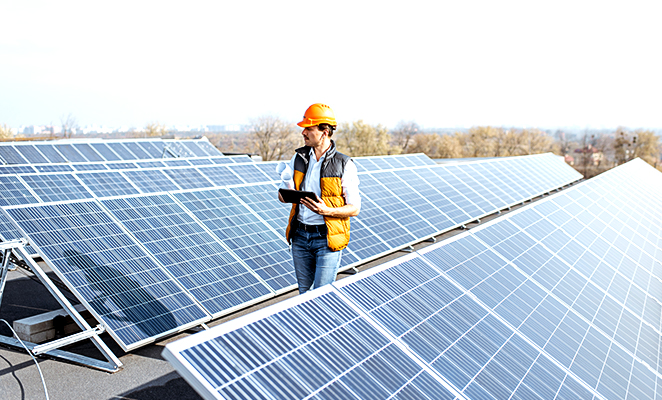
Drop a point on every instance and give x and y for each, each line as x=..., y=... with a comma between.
x=487, y=199
x=300, y=366
x=188, y=178
x=88, y=151
x=249, y=173
x=178, y=162
x=50, y=152
x=89, y=167
x=122, y=151
x=70, y=153
x=205, y=267
x=50, y=187
x=16, y=169
x=45, y=168
x=151, y=180
x=422, y=339
x=244, y=232
x=136, y=149
x=31, y=154
x=106, y=152
x=121, y=165
x=269, y=169
x=115, y=279
x=379, y=187
x=9, y=155
x=107, y=183
x=13, y=191
x=220, y=175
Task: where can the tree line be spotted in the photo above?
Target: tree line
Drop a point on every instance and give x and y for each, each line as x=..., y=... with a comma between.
x=590, y=152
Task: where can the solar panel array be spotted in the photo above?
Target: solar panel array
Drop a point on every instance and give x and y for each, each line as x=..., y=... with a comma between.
x=216, y=231
x=559, y=299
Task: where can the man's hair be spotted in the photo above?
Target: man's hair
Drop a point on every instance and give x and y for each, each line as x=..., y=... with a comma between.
x=330, y=128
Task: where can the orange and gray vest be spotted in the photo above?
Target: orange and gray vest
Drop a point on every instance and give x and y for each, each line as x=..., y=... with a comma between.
x=331, y=172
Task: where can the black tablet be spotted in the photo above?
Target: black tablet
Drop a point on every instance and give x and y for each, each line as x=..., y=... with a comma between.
x=295, y=196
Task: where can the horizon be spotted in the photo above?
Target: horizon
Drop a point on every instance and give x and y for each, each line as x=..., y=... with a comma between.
x=570, y=65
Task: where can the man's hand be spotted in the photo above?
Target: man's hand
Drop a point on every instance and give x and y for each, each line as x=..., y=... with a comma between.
x=318, y=207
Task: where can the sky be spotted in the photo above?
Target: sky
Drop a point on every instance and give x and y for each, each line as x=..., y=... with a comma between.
x=586, y=64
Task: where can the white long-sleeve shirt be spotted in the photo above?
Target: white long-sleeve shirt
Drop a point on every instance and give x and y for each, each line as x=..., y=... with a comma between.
x=311, y=183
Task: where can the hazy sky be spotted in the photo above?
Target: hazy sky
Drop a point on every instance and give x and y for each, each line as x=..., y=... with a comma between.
x=442, y=64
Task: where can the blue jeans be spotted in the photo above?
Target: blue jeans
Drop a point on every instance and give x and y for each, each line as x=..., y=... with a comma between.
x=314, y=263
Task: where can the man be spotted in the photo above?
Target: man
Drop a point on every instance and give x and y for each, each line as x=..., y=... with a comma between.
x=319, y=230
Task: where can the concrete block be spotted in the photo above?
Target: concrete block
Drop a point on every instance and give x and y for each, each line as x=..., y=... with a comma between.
x=40, y=328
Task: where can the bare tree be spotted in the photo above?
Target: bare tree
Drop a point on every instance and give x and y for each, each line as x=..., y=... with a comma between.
x=402, y=134
x=69, y=125
x=273, y=138
x=6, y=133
x=153, y=129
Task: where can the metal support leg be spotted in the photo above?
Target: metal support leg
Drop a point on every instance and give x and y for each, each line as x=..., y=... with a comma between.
x=112, y=365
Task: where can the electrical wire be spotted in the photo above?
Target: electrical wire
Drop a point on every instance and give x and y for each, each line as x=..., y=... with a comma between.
x=43, y=382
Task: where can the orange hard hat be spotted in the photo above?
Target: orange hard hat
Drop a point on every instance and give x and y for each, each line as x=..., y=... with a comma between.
x=317, y=114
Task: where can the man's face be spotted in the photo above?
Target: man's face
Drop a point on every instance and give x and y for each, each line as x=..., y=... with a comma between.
x=312, y=136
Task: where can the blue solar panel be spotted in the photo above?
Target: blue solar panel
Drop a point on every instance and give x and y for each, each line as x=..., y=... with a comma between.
x=377, y=222
x=53, y=168
x=137, y=150
x=150, y=164
x=107, y=184
x=105, y=151
x=240, y=159
x=263, y=200
x=121, y=151
x=9, y=232
x=13, y=192
x=264, y=251
x=298, y=355
x=448, y=174
x=108, y=271
x=222, y=160
x=16, y=169
x=249, y=173
x=366, y=243
x=188, y=178
x=269, y=169
x=56, y=187
x=70, y=153
x=365, y=164
x=86, y=150
x=30, y=153
x=405, y=161
x=176, y=163
x=381, y=163
x=151, y=181
x=90, y=167
x=481, y=185
x=195, y=149
x=205, y=268
x=220, y=175
x=11, y=156
x=455, y=194
x=152, y=149
x=209, y=148
x=400, y=207
x=122, y=165
x=178, y=149
x=49, y=151
x=200, y=161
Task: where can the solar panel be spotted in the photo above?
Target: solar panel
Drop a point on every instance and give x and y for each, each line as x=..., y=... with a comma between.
x=209, y=148
x=365, y=164
x=151, y=181
x=264, y=251
x=381, y=163
x=49, y=151
x=11, y=156
x=122, y=165
x=178, y=149
x=16, y=169
x=121, y=151
x=375, y=221
x=222, y=160
x=405, y=161
x=70, y=153
x=106, y=151
x=263, y=200
x=30, y=153
x=107, y=184
x=374, y=186
x=296, y=354
x=13, y=191
x=56, y=187
x=240, y=159
x=394, y=162
x=188, y=178
x=269, y=169
x=480, y=185
x=465, y=188
x=137, y=150
x=195, y=149
x=176, y=163
x=125, y=289
x=421, y=159
x=249, y=173
x=152, y=149
x=86, y=150
x=457, y=195
x=150, y=164
x=90, y=167
x=220, y=175
x=9, y=232
x=53, y=168
x=205, y=268
x=200, y=161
